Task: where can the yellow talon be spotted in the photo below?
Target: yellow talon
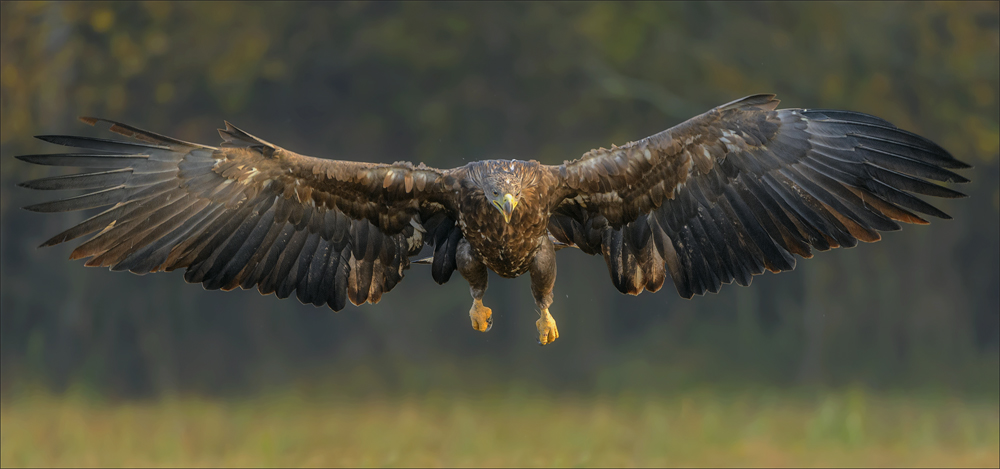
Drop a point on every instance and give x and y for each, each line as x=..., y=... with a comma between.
x=482, y=317
x=547, y=331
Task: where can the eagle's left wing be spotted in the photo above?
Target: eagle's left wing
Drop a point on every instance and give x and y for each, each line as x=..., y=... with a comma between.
x=742, y=187
x=252, y=214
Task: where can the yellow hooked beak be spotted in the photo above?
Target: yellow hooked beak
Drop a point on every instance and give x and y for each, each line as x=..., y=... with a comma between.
x=507, y=207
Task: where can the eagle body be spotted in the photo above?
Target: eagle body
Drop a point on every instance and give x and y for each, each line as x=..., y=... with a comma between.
x=506, y=247
x=738, y=190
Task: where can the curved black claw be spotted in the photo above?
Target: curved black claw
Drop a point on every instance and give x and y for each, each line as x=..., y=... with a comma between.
x=489, y=324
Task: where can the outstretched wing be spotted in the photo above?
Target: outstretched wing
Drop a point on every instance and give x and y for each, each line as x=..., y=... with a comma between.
x=247, y=214
x=741, y=188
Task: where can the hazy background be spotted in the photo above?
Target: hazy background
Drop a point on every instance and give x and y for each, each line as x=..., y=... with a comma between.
x=448, y=83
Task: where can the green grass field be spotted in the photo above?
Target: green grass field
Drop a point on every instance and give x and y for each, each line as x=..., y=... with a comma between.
x=697, y=428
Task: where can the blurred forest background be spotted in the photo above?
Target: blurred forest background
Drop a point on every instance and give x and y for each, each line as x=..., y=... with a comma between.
x=917, y=313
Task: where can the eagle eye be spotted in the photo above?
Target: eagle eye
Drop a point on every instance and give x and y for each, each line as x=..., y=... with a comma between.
x=495, y=193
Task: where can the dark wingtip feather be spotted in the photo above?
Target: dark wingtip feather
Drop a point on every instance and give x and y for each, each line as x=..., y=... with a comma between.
x=140, y=134
x=39, y=208
x=47, y=138
x=107, y=160
x=105, y=145
x=52, y=241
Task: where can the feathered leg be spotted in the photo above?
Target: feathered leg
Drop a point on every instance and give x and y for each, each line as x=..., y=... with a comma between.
x=476, y=274
x=543, y=278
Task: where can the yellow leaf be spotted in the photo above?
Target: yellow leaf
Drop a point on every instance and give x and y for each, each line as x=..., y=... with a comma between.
x=102, y=20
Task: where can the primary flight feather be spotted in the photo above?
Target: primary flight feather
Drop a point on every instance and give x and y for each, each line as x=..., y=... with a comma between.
x=720, y=197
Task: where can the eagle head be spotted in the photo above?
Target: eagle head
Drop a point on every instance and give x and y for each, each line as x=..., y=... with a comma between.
x=502, y=188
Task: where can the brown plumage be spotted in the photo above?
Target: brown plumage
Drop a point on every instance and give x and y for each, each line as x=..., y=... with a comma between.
x=720, y=197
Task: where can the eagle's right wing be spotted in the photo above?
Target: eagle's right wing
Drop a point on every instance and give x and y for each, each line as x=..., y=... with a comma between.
x=251, y=214
x=742, y=187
